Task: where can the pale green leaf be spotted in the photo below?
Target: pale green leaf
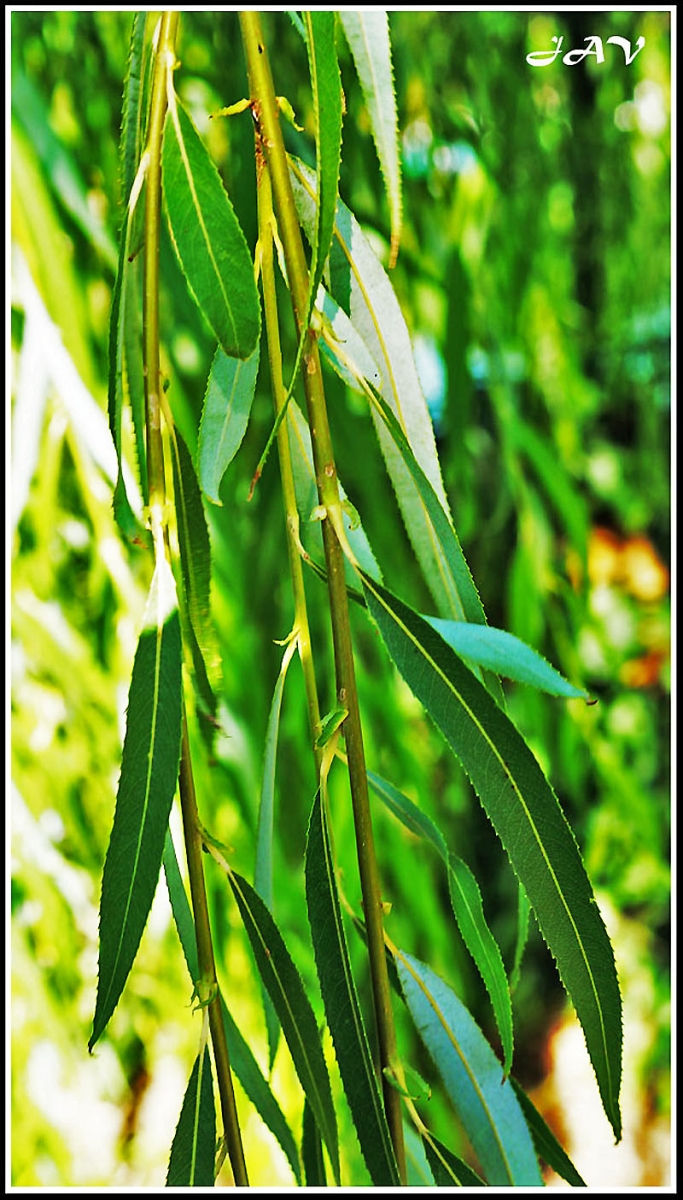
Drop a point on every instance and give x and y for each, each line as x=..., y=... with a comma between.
x=528, y=819
x=367, y=32
x=293, y=1007
x=193, y=1153
x=307, y=498
x=523, y=911
x=343, y=1011
x=242, y=1061
x=149, y=773
x=502, y=652
x=484, y=1101
x=360, y=285
x=209, y=242
x=225, y=416
x=467, y=906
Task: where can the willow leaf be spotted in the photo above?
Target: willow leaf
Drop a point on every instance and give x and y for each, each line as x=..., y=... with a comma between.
x=293, y=1007
x=359, y=284
x=528, y=820
x=467, y=906
x=327, y=105
x=131, y=140
x=506, y=655
x=523, y=910
x=208, y=240
x=547, y=1146
x=242, y=1061
x=343, y=1011
x=367, y=33
x=195, y=555
x=225, y=416
x=307, y=498
x=486, y=1103
x=312, y=1151
x=149, y=773
x=193, y=1153
x=263, y=867
x=448, y=1170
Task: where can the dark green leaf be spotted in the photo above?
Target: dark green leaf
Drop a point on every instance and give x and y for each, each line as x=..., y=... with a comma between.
x=547, y=1146
x=312, y=1151
x=207, y=237
x=528, y=820
x=344, y=1016
x=293, y=1007
x=193, y=1153
x=523, y=910
x=486, y=1103
x=195, y=562
x=225, y=416
x=447, y=1168
x=242, y=1061
x=149, y=773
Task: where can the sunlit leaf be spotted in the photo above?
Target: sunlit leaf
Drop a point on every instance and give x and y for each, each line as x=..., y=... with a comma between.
x=293, y=1007
x=485, y=1103
x=367, y=32
x=344, y=1016
x=209, y=242
x=467, y=906
x=193, y=1153
x=225, y=416
x=359, y=284
x=528, y=819
x=149, y=773
x=505, y=654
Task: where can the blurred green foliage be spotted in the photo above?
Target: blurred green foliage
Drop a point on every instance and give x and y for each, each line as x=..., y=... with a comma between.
x=535, y=277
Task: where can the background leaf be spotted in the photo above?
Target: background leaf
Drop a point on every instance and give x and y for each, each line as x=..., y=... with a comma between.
x=193, y=1153
x=209, y=242
x=149, y=773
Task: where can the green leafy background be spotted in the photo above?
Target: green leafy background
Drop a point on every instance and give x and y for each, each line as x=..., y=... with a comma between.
x=534, y=278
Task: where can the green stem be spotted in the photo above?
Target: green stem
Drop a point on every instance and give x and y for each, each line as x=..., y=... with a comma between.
x=265, y=217
x=165, y=61
x=267, y=115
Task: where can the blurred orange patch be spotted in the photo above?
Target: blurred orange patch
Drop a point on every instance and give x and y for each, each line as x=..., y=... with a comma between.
x=631, y=562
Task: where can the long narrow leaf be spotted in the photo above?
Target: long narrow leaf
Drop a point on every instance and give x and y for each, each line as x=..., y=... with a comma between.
x=505, y=654
x=149, y=773
x=263, y=866
x=343, y=1011
x=447, y=1168
x=467, y=906
x=293, y=1007
x=367, y=33
x=209, y=242
x=486, y=1103
x=547, y=1146
x=193, y=1153
x=528, y=819
x=361, y=287
x=242, y=1061
x=225, y=416
x=327, y=104
x=312, y=1151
